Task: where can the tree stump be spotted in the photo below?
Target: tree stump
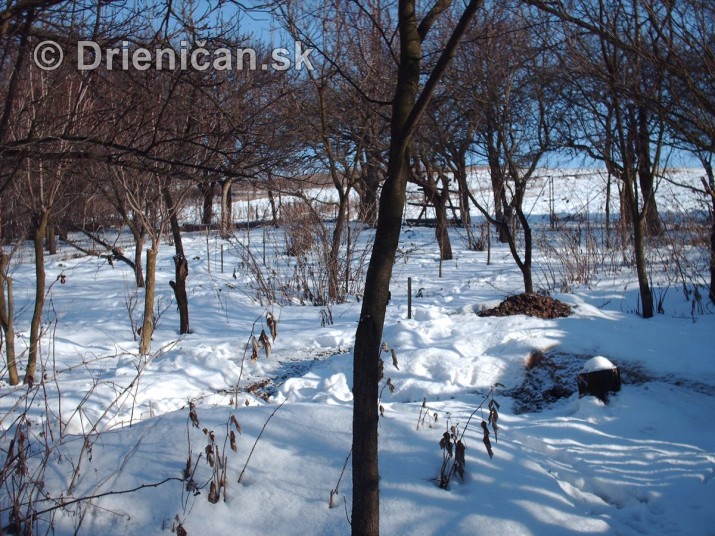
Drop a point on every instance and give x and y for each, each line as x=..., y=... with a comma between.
x=598, y=378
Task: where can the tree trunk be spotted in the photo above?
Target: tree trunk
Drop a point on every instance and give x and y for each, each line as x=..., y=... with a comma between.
x=274, y=212
x=646, y=180
x=608, y=212
x=226, y=209
x=39, y=221
x=497, y=178
x=366, y=510
x=712, y=251
x=638, y=222
x=207, y=212
x=653, y=226
x=709, y=185
x=369, y=186
x=460, y=175
x=439, y=200
x=333, y=267
x=14, y=87
x=368, y=337
x=7, y=321
x=136, y=226
x=181, y=266
x=51, y=239
x=181, y=269
x=624, y=223
x=147, y=329
x=138, y=248
x=641, y=269
x=525, y=266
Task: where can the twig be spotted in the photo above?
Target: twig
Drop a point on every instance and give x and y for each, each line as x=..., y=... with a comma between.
x=257, y=439
x=64, y=504
x=464, y=430
x=243, y=358
x=335, y=491
x=486, y=397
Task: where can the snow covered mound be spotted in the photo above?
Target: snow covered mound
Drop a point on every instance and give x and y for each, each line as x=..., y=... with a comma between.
x=530, y=305
x=597, y=363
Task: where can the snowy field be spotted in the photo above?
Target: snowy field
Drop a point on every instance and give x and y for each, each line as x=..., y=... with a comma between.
x=115, y=428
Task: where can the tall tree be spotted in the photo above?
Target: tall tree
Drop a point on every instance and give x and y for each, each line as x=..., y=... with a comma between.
x=408, y=106
x=609, y=85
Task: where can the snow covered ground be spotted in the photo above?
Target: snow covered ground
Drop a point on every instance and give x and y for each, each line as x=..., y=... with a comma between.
x=642, y=464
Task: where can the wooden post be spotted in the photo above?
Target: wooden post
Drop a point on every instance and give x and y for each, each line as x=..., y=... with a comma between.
x=264, y=245
x=409, y=298
x=221, y=258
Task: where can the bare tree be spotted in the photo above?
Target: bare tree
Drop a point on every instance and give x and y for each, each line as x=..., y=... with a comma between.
x=48, y=98
x=408, y=106
x=668, y=49
x=507, y=84
x=452, y=128
x=429, y=174
x=609, y=86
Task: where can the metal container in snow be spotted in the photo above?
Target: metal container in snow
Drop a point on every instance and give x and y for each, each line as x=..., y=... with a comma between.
x=598, y=377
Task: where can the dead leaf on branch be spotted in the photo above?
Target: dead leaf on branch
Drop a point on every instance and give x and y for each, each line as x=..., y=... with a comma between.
x=234, y=421
x=459, y=459
x=494, y=417
x=180, y=530
x=213, y=493
x=486, y=441
x=254, y=354
x=192, y=414
x=272, y=325
x=209, y=455
x=263, y=339
x=446, y=443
